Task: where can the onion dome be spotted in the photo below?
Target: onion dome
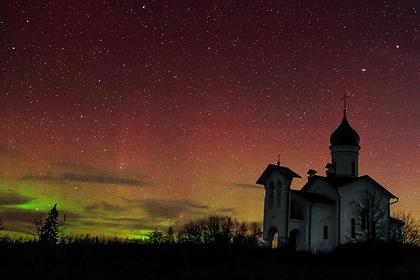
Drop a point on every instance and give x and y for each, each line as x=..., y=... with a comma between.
x=344, y=134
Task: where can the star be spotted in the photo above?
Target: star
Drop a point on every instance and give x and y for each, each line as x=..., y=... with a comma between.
x=191, y=96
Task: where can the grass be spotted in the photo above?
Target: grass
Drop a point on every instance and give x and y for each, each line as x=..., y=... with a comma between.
x=100, y=259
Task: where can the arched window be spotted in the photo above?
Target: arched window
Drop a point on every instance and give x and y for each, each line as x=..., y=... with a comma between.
x=273, y=235
x=270, y=195
x=275, y=241
x=278, y=194
x=325, y=232
x=353, y=228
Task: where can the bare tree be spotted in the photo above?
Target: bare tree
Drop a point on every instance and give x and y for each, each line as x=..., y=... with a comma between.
x=247, y=234
x=255, y=234
x=170, y=235
x=156, y=237
x=220, y=230
x=38, y=222
x=47, y=227
x=368, y=213
x=241, y=233
x=191, y=233
x=410, y=229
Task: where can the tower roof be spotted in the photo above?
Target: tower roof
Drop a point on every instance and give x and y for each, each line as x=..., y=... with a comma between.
x=344, y=134
x=276, y=168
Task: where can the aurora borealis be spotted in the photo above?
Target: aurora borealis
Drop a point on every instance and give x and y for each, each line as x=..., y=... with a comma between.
x=135, y=115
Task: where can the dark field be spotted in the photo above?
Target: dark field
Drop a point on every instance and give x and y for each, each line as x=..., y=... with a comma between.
x=116, y=260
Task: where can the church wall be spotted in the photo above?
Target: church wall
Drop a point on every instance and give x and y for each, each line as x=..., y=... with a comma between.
x=323, y=188
x=323, y=215
x=301, y=225
x=348, y=194
x=302, y=238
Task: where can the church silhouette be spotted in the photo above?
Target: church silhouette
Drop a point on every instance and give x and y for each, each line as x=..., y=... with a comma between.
x=330, y=210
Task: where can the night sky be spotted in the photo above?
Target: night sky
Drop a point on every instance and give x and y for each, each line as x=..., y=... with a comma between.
x=133, y=115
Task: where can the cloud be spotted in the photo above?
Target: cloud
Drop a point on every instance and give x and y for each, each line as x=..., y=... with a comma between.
x=31, y=177
x=104, y=206
x=65, y=172
x=111, y=218
x=102, y=179
x=164, y=209
x=9, y=153
x=170, y=209
x=227, y=210
x=155, y=209
x=97, y=179
x=10, y=198
x=121, y=223
x=19, y=220
x=247, y=186
x=156, y=212
x=232, y=184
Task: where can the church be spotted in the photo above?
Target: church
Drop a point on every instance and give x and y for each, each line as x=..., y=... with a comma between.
x=330, y=210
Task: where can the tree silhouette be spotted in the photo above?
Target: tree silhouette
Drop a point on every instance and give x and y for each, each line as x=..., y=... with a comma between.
x=220, y=230
x=49, y=231
x=156, y=237
x=38, y=222
x=170, y=235
x=368, y=215
x=255, y=233
x=191, y=233
x=411, y=228
x=216, y=230
x=241, y=233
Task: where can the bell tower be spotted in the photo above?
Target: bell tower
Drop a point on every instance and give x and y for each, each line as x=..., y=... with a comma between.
x=344, y=149
x=276, y=180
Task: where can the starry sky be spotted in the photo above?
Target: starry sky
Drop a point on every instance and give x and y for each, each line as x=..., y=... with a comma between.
x=134, y=115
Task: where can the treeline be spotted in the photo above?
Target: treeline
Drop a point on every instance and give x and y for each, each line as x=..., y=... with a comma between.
x=218, y=230
x=214, y=230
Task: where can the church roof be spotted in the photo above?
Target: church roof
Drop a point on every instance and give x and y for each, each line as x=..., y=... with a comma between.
x=371, y=180
x=276, y=168
x=396, y=221
x=345, y=134
x=342, y=181
x=315, y=197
